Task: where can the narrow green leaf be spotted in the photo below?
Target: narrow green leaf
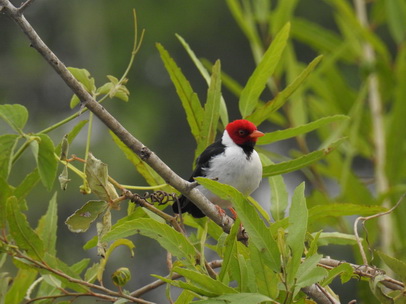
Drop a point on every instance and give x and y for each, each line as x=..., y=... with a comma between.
x=254, y=225
x=230, y=252
x=263, y=112
x=21, y=283
x=15, y=116
x=76, y=129
x=204, y=281
x=211, y=111
x=203, y=71
x=266, y=67
x=45, y=158
x=309, y=273
x=5, y=193
x=97, y=176
x=22, y=233
x=186, y=286
x=279, y=194
x=300, y=162
x=186, y=296
x=267, y=281
x=315, y=35
x=80, y=266
x=396, y=18
x=298, y=216
x=397, y=266
x=47, y=226
x=149, y=174
x=337, y=210
x=344, y=270
x=246, y=23
x=173, y=241
x=129, y=244
x=396, y=122
x=55, y=263
x=299, y=130
x=190, y=101
x=240, y=298
x=336, y=238
x=82, y=218
x=7, y=145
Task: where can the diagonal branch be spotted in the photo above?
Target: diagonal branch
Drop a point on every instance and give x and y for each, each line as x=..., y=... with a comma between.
x=126, y=137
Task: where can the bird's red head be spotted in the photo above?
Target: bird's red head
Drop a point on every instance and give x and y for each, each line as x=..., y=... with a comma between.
x=243, y=131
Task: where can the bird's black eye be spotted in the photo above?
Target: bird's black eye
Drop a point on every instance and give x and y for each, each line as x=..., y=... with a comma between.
x=242, y=132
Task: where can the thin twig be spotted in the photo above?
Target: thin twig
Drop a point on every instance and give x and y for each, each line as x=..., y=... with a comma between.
x=366, y=218
x=61, y=274
x=25, y=5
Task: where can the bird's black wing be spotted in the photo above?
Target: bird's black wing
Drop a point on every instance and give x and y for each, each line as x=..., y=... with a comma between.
x=202, y=162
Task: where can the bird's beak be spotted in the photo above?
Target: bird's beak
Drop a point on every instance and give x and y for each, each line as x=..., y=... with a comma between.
x=256, y=134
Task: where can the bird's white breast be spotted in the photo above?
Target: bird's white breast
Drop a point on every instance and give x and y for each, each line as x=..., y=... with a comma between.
x=233, y=168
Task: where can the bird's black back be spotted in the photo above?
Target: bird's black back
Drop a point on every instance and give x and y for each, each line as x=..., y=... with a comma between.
x=202, y=162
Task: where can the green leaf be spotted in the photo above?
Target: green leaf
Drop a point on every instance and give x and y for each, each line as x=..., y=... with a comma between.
x=84, y=77
x=342, y=209
x=15, y=116
x=26, y=186
x=203, y=71
x=55, y=263
x=336, y=238
x=23, y=235
x=267, y=281
x=397, y=266
x=263, y=112
x=186, y=296
x=204, y=281
x=396, y=17
x=47, y=226
x=75, y=130
x=47, y=163
x=82, y=218
x=5, y=193
x=299, y=130
x=186, y=286
x=149, y=174
x=279, y=194
x=190, y=101
x=309, y=273
x=211, y=111
x=74, y=101
x=173, y=241
x=266, y=67
x=230, y=251
x=7, y=145
x=344, y=270
x=240, y=298
x=253, y=224
x=297, y=230
x=300, y=162
x=97, y=177
x=130, y=245
x=21, y=283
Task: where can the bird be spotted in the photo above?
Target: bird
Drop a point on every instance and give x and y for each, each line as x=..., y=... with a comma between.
x=230, y=160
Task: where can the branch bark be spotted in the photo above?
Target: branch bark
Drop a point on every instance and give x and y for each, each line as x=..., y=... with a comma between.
x=126, y=137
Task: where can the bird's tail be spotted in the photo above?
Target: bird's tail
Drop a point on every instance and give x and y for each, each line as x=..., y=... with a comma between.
x=186, y=205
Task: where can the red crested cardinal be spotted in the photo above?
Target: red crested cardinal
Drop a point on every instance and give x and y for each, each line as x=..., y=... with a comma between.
x=230, y=160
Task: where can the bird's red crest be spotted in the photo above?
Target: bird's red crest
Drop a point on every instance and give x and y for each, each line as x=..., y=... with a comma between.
x=242, y=131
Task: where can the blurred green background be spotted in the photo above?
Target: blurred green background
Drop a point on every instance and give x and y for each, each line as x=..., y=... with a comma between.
x=98, y=36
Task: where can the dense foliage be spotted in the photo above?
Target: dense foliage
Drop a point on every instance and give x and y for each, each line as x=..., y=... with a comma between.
x=344, y=107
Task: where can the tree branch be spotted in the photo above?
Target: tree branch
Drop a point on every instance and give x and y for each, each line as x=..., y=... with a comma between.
x=126, y=137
